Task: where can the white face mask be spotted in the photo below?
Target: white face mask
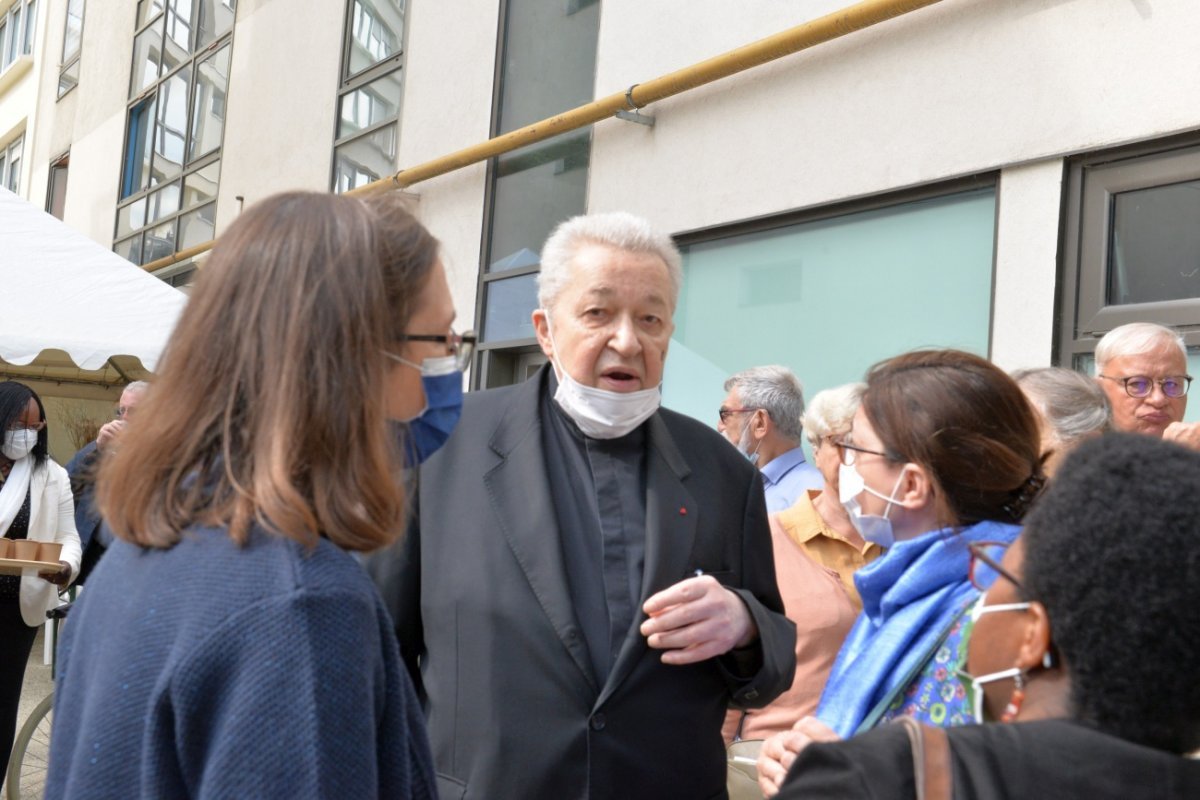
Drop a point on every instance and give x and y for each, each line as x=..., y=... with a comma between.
x=599, y=413
x=872, y=527
x=19, y=443
x=977, y=684
x=743, y=444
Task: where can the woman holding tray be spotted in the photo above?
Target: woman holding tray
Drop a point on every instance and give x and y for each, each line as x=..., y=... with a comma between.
x=35, y=506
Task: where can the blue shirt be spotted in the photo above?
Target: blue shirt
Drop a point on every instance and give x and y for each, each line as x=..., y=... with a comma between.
x=787, y=477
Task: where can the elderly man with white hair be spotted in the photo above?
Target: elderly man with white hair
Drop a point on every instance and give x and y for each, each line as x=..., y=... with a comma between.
x=589, y=583
x=1142, y=368
x=761, y=417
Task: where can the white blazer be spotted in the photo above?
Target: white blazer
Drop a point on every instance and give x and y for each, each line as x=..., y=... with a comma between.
x=51, y=519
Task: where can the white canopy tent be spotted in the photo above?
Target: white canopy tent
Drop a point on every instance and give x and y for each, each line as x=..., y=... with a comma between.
x=71, y=311
x=77, y=321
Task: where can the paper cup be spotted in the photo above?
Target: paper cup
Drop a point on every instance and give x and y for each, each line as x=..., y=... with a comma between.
x=49, y=552
x=24, y=550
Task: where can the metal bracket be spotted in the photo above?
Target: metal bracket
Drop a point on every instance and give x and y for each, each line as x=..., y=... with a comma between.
x=633, y=114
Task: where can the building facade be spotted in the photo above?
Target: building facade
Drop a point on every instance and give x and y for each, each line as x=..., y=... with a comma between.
x=1013, y=178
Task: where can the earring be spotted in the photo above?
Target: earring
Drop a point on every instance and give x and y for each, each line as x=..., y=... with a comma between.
x=1014, y=702
x=1047, y=660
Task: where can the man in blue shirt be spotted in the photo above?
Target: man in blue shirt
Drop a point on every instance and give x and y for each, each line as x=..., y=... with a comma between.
x=760, y=416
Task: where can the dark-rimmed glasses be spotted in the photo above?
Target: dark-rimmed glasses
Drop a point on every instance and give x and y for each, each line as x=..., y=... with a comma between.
x=985, y=565
x=724, y=413
x=846, y=451
x=461, y=346
x=1143, y=385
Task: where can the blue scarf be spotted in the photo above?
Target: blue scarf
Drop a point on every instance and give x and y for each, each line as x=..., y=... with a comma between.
x=910, y=595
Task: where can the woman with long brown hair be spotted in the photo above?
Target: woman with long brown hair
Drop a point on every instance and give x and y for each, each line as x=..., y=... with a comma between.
x=228, y=644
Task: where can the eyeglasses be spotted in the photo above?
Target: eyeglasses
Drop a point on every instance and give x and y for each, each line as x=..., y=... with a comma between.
x=985, y=565
x=1143, y=385
x=847, y=451
x=461, y=346
x=724, y=413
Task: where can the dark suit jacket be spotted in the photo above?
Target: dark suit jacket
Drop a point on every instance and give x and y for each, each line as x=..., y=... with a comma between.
x=485, y=621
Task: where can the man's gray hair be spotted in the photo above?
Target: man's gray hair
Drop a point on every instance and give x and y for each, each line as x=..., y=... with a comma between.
x=618, y=229
x=831, y=412
x=1073, y=405
x=776, y=390
x=136, y=386
x=1134, y=339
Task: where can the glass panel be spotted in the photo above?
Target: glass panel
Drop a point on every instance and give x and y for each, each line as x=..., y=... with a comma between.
x=73, y=34
x=30, y=27
x=68, y=79
x=147, y=9
x=179, y=34
x=146, y=49
x=549, y=60
x=370, y=104
x=197, y=227
x=376, y=31
x=201, y=185
x=1086, y=363
x=58, y=190
x=864, y=286
x=130, y=249
x=172, y=123
x=208, y=114
x=216, y=17
x=139, y=145
x=131, y=217
x=509, y=303
x=160, y=242
x=14, y=34
x=535, y=189
x=162, y=203
x=14, y=170
x=1154, y=249
x=4, y=61
x=365, y=159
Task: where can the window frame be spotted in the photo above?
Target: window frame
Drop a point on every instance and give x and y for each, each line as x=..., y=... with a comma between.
x=17, y=33
x=16, y=144
x=58, y=167
x=71, y=60
x=1092, y=181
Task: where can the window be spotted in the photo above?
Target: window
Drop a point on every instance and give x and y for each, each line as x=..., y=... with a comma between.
x=10, y=164
x=1131, y=249
x=547, y=66
x=829, y=293
x=56, y=189
x=365, y=141
x=18, y=27
x=176, y=121
x=68, y=73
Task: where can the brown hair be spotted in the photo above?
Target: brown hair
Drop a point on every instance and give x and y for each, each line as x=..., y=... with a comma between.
x=967, y=423
x=270, y=406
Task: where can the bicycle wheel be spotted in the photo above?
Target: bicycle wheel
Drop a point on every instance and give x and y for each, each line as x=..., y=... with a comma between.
x=31, y=754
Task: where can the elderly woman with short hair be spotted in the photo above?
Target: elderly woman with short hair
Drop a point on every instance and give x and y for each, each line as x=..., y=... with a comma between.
x=1071, y=407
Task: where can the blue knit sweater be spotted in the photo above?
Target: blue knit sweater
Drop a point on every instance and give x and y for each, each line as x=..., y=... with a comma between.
x=212, y=671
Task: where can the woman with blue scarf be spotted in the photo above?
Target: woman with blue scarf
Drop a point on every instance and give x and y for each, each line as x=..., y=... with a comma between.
x=944, y=452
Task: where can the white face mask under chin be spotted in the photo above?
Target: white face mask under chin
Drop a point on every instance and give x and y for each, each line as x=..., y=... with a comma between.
x=872, y=527
x=743, y=445
x=599, y=413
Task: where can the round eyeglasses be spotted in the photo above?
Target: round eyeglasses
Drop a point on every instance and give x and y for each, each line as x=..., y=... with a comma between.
x=461, y=346
x=1143, y=385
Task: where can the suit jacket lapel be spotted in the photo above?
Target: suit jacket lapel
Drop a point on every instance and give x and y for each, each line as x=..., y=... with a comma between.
x=519, y=491
x=670, y=532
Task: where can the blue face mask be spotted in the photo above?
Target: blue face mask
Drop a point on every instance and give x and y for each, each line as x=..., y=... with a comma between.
x=421, y=436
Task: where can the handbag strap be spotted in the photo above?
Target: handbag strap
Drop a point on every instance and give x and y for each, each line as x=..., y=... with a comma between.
x=931, y=759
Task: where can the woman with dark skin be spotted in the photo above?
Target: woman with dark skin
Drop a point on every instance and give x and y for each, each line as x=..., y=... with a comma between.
x=1087, y=642
x=35, y=505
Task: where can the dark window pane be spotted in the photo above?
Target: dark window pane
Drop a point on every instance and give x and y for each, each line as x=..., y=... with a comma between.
x=1154, y=250
x=139, y=145
x=508, y=307
x=130, y=249
x=365, y=159
x=535, y=189
x=368, y=105
x=208, y=116
x=201, y=185
x=160, y=242
x=58, y=188
x=216, y=17
x=171, y=127
x=376, y=31
x=146, y=49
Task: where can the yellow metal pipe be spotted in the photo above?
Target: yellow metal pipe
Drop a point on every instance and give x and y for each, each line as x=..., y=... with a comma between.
x=823, y=29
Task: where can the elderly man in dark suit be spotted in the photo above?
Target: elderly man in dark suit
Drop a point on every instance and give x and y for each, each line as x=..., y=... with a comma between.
x=589, y=583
